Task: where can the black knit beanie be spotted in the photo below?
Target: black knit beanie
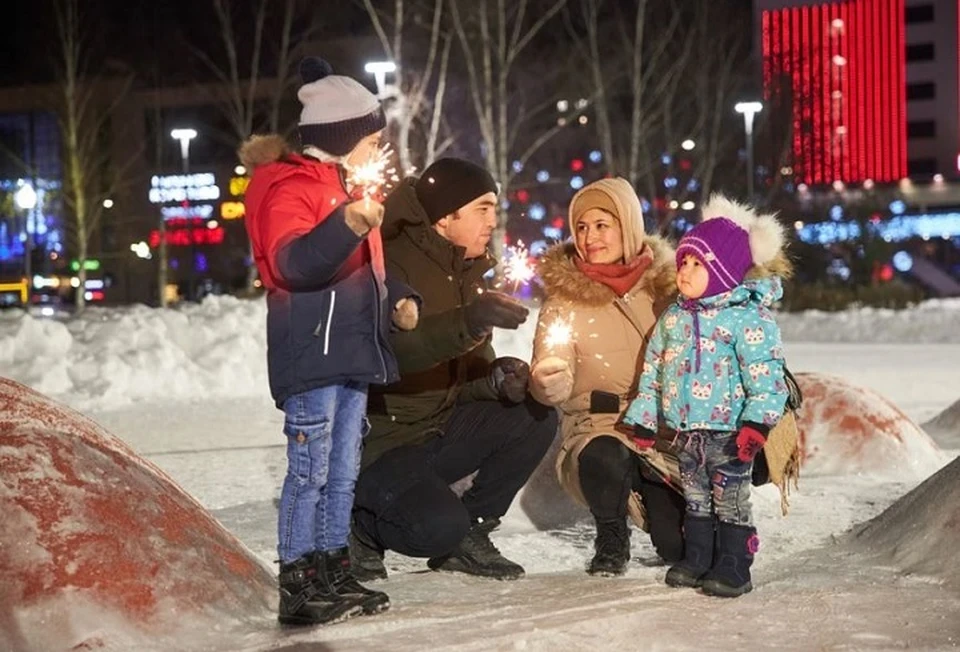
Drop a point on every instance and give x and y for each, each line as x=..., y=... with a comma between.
x=450, y=184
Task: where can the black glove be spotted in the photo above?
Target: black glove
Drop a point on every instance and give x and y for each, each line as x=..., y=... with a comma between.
x=493, y=309
x=509, y=377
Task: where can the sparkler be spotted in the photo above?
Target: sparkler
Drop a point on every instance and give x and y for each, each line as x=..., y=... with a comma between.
x=559, y=332
x=372, y=177
x=517, y=268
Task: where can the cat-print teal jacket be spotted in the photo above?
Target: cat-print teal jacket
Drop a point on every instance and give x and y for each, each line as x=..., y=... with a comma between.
x=714, y=363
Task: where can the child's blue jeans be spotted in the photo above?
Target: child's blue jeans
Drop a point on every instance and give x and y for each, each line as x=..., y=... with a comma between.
x=715, y=481
x=324, y=429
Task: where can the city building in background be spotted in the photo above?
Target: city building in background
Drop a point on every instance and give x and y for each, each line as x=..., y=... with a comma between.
x=869, y=88
x=838, y=69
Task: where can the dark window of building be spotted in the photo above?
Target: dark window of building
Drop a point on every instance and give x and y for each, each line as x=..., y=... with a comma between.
x=920, y=52
x=921, y=129
x=922, y=91
x=919, y=14
x=922, y=167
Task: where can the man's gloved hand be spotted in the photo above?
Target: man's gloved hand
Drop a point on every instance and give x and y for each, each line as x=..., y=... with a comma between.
x=643, y=437
x=493, y=309
x=406, y=314
x=552, y=380
x=509, y=377
x=363, y=215
x=750, y=440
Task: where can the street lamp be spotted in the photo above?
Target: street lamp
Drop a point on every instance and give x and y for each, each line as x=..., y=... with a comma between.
x=749, y=109
x=26, y=200
x=184, y=135
x=379, y=70
x=688, y=145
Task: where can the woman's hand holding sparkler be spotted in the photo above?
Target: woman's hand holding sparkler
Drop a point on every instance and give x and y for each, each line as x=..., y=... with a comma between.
x=551, y=380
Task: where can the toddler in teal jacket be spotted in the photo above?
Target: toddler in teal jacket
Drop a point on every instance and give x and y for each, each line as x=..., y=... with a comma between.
x=713, y=374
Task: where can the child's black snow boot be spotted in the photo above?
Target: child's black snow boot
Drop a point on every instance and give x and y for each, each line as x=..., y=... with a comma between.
x=698, y=534
x=730, y=575
x=334, y=566
x=305, y=599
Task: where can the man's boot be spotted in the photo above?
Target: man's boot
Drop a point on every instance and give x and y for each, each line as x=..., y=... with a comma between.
x=698, y=535
x=730, y=575
x=476, y=555
x=335, y=569
x=612, y=547
x=366, y=557
x=305, y=599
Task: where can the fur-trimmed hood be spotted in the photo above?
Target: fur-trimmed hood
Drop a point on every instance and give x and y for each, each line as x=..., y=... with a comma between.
x=563, y=280
x=263, y=149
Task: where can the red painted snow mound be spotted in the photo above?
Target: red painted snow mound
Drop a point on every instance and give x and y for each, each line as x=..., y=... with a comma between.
x=99, y=549
x=846, y=428
x=920, y=533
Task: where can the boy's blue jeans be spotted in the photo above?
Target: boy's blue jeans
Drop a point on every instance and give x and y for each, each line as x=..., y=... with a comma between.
x=324, y=429
x=715, y=481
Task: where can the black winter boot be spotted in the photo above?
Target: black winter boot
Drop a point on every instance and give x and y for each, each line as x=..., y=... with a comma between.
x=334, y=567
x=476, y=555
x=612, y=547
x=730, y=575
x=305, y=599
x=698, y=533
x=366, y=557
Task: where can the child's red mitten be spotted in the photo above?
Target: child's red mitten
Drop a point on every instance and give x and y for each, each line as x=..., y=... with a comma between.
x=750, y=440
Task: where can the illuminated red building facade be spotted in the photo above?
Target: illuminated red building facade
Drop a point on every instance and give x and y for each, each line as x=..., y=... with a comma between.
x=838, y=70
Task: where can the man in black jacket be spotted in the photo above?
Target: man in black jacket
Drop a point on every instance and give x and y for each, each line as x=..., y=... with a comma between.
x=458, y=409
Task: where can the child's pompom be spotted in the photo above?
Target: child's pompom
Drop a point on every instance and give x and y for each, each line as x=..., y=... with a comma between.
x=314, y=68
x=766, y=239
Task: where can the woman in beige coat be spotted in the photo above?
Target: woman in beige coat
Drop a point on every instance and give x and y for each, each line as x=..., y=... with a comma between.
x=609, y=286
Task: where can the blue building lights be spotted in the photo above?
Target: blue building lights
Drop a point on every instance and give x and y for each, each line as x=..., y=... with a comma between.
x=896, y=229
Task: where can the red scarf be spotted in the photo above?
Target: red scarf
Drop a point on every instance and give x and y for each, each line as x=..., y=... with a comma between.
x=619, y=277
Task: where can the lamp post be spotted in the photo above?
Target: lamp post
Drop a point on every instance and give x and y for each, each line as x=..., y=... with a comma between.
x=26, y=200
x=379, y=70
x=184, y=135
x=749, y=109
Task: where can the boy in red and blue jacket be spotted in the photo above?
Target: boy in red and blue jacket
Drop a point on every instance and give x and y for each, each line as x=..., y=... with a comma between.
x=329, y=310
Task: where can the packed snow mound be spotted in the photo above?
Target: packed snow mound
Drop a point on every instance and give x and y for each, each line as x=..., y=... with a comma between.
x=932, y=321
x=849, y=429
x=920, y=533
x=946, y=425
x=101, y=549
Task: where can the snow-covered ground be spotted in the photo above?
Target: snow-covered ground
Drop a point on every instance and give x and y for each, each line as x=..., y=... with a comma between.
x=187, y=390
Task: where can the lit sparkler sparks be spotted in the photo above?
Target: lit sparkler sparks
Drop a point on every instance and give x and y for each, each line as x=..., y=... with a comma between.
x=559, y=332
x=370, y=179
x=517, y=268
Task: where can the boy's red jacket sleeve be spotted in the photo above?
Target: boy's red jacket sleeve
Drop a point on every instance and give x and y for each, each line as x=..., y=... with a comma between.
x=302, y=234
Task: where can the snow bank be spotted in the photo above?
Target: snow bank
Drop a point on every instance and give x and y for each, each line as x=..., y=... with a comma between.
x=110, y=357
x=849, y=429
x=929, y=322
x=920, y=533
x=100, y=549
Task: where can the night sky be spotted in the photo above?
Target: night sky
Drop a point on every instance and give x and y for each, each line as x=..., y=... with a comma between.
x=147, y=35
